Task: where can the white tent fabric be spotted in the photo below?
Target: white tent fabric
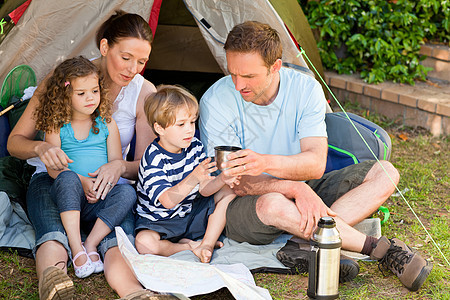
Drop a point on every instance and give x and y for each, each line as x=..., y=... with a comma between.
x=216, y=18
x=51, y=31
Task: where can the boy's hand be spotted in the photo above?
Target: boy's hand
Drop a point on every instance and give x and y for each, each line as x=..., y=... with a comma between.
x=204, y=169
x=231, y=181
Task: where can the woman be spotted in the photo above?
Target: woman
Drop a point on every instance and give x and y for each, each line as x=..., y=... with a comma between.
x=124, y=41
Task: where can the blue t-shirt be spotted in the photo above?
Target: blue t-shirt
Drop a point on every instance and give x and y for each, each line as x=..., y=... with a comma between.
x=160, y=170
x=88, y=154
x=298, y=111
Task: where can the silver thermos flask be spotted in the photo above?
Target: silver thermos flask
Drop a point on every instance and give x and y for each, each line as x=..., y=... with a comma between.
x=323, y=281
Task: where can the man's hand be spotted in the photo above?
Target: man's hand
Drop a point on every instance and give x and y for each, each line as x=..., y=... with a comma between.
x=244, y=162
x=52, y=156
x=106, y=177
x=310, y=207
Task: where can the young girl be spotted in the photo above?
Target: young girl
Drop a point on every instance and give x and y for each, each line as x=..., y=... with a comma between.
x=76, y=116
x=174, y=185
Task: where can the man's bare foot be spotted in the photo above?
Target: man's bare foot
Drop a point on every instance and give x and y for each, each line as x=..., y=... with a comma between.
x=204, y=252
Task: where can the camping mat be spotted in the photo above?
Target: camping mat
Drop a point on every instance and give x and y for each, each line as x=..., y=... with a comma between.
x=260, y=258
x=254, y=257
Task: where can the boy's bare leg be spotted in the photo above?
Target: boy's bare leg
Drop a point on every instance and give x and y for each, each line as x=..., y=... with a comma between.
x=149, y=242
x=216, y=224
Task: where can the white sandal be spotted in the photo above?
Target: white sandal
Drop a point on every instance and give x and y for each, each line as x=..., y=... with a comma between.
x=98, y=263
x=85, y=269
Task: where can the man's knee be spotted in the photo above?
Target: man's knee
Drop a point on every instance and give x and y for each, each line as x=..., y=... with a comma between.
x=269, y=206
x=379, y=172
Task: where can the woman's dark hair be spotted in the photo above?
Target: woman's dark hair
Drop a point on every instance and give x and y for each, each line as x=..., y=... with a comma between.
x=124, y=25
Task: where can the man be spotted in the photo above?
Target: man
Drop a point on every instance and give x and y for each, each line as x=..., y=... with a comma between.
x=277, y=116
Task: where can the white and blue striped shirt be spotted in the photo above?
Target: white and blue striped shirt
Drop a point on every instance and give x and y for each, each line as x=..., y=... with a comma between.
x=160, y=170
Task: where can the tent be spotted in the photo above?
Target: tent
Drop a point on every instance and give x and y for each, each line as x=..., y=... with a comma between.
x=188, y=35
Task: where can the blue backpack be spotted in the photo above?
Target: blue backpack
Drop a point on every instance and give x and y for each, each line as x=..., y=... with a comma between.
x=345, y=146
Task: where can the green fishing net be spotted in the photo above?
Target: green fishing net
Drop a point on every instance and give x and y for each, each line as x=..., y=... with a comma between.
x=17, y=80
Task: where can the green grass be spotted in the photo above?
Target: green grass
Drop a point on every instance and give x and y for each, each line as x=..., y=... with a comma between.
x=424, y=164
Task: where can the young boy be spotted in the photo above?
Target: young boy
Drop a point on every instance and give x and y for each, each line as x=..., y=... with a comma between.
x=174, y=185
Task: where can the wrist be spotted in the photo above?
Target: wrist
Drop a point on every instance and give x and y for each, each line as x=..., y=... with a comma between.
x=193, y=179
x=269, y=163
x=221, y=178
x=123, y=167
x=38, y=148
x=295, y=188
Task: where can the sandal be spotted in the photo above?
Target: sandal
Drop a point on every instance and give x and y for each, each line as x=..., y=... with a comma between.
x=85, y=269
x=98, y=263
x=55, y=284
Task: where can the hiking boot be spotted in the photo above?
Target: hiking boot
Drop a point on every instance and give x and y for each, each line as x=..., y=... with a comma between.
x=55, y=284
x=296, y=256
x=147, y=295
x=410, y=267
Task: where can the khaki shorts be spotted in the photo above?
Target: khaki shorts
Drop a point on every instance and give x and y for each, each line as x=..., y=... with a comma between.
x=243, y=224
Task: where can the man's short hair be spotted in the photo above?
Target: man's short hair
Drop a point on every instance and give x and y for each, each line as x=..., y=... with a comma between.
x=162, y=106
x=253, y=36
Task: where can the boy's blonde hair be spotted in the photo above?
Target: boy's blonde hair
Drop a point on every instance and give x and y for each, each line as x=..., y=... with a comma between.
x=162, y=106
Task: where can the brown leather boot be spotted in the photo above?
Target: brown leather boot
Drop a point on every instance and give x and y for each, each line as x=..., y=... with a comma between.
x=409, y=266
x=295, y=255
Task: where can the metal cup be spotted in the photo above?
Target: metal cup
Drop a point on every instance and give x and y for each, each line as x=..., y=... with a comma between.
x=221, y=154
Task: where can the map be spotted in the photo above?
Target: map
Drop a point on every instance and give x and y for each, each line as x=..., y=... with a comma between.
x=168, y=275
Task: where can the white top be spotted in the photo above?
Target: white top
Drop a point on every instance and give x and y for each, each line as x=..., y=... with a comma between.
x=125, y=111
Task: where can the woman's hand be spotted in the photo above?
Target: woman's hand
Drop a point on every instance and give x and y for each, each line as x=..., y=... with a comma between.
x=52, y=156
x=106, y=177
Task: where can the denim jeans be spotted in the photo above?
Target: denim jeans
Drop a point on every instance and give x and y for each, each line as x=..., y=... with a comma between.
x=45, y=218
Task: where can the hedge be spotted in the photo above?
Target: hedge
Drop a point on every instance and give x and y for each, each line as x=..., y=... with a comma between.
x=379, y=39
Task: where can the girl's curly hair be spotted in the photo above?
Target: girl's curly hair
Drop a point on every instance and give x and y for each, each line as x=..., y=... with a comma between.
x=55, y=103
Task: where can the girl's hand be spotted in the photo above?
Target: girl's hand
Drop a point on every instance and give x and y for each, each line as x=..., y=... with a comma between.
x=106, y=177
x=88, y=184
x=203, y=170
x=52, y=156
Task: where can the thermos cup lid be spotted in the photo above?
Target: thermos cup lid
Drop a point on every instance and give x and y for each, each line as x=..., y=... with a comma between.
x=327, y=222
